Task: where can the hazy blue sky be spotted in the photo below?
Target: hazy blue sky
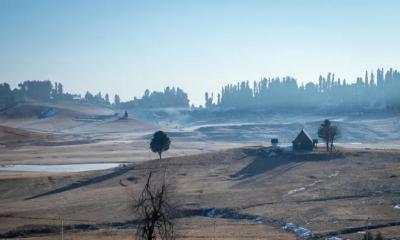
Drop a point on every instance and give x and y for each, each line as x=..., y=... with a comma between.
x=127, y=46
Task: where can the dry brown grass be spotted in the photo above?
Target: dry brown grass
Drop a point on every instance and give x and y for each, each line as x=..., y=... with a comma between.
x=339, y=193
x=14, y=136
x=189, y=229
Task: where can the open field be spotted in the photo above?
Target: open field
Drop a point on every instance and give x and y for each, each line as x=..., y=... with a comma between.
x=227, y=169
x=341, y=190
x=191, y=228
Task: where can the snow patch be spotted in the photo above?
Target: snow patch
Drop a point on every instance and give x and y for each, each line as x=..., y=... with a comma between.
x=397, y=206
x=296, y=190
x=299, y=231
x=211, y=213
x=287, y=149
x=333, y=238
x=272, y=154
x=334, y=174
x=314, y=183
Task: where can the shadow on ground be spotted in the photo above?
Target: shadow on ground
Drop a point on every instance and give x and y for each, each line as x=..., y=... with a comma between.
x=267, y=159
x=117, y=172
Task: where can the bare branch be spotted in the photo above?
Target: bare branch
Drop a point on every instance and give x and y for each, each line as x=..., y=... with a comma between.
x=154, y=212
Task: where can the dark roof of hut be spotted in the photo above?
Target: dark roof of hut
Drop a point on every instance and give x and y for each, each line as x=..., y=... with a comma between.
x=302, y=136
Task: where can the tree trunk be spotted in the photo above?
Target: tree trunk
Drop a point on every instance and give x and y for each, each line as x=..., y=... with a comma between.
x=151, y=232
x=152, y=227
x=159, y=155
x=327, y=146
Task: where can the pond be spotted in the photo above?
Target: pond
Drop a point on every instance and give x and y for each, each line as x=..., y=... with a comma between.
x=59, y=168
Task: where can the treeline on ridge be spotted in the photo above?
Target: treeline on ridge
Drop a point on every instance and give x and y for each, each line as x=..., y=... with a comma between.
x=46, y=91
x=378, y=90
x=373, y=92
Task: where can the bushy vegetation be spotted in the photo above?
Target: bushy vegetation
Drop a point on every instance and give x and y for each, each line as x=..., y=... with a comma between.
x=33, y=90
x=47, y=91
x=170, y=97
x=160, y=143
x=375, y=91
x=328, y=133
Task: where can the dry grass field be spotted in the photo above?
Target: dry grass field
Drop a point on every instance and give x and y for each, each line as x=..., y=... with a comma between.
x=326, y=193
x=254, y=193
x=189, y=229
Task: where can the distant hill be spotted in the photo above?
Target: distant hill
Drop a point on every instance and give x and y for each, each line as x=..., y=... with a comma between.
x=11, y=136
x=67, y=117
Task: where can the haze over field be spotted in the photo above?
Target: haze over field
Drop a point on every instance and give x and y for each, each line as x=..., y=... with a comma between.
x=199, y=120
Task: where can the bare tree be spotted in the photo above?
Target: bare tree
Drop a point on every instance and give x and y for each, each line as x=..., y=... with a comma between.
x=155, y=212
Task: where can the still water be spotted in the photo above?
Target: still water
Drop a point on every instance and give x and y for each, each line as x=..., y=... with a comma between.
x=59, y=168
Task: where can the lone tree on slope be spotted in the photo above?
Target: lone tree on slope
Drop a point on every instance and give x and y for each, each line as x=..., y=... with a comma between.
x=160, y=143
x=328, y=133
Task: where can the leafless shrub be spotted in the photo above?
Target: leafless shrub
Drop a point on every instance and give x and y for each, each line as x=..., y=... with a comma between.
x=154, y=211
